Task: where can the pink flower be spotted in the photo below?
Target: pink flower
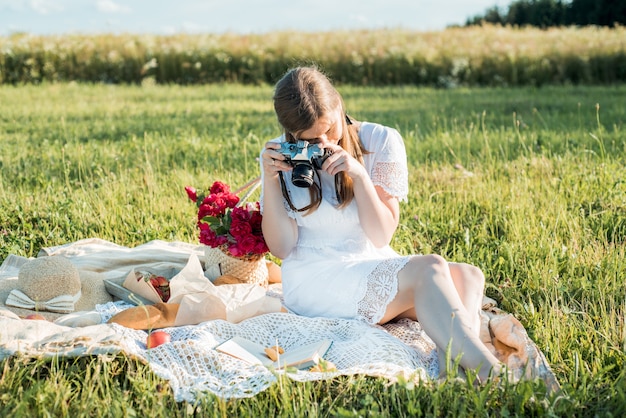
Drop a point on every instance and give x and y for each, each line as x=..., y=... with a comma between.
x=255, y=220
x=240, y=214
x=235, y=251
x=240, y=229
x=219, y=187
x=191, y=193
x=217, y=204
x=231, y=200
x=209, y=237
x=222, y=223
x=243, y=246
x=261, y=246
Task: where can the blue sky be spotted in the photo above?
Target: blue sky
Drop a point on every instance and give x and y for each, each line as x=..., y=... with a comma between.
x=239, y=16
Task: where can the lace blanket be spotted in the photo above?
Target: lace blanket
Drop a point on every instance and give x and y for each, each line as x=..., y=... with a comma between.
x=192, y=365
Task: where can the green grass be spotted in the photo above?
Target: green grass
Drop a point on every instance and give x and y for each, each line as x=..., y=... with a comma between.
x=528, y=184
x=488, y=55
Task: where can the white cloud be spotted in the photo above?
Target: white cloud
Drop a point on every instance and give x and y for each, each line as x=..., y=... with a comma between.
x=109, y=6
x=45, y=7
x=13, y=5
x=168, y=30
x=359, y=18
x=188, y=26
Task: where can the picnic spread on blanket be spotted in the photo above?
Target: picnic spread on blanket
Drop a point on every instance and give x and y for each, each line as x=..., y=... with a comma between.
x=201, y=313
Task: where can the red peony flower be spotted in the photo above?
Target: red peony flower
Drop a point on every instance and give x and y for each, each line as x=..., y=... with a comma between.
x=219, y=187
x=191, y=193
x=224, y=223
x=240, y=229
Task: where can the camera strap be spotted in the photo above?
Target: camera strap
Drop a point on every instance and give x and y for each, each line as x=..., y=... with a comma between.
x=283, y=188
x=285, y=192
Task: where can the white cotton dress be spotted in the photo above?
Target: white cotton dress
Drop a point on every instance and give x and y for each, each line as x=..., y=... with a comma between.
x=335, y=271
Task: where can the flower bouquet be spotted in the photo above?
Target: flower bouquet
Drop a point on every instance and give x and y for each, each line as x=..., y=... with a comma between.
x=231, y=229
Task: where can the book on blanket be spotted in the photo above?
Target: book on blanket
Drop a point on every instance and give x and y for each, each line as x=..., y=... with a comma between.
x=303, y=357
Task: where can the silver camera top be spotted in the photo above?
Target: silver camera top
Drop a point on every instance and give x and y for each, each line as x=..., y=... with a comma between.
x=300, y=151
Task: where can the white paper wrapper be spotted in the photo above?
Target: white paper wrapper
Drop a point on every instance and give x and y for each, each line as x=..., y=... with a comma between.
x=141, y=287
x=200, y=300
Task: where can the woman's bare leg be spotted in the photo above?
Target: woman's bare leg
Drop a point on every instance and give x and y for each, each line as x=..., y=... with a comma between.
x=426, y=285
x=469, y=282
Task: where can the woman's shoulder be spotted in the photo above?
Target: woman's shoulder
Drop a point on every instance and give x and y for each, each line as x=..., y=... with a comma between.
x=376, y=136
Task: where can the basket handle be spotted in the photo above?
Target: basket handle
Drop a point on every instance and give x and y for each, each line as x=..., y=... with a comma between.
x=250, y=186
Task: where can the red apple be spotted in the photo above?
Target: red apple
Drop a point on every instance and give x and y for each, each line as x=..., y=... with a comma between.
x=156, y=338
x=35, y=316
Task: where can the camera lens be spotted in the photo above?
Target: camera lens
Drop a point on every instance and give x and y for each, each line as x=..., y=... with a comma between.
x=302, y=175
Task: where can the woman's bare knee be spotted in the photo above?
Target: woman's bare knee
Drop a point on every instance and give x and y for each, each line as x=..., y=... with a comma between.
x=471, y=277
x=424, y=267
x=418, y=270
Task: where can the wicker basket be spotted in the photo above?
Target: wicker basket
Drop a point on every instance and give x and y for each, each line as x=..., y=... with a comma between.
x=247, y=270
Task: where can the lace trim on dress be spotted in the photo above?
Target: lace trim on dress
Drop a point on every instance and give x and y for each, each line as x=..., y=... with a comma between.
x=290, y=212
x=392, y=178
x=382, y=287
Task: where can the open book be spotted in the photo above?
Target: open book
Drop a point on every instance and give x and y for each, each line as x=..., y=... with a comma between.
x=302, y=357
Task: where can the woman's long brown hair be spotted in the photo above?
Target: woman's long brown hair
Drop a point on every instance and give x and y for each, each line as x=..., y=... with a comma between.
x=301, y=97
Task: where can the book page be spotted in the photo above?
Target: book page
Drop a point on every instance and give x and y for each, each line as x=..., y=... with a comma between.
x=253, y=353
x=245, y=350
x=305, y=356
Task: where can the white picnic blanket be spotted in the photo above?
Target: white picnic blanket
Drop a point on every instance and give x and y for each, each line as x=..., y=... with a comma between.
x=192, y=365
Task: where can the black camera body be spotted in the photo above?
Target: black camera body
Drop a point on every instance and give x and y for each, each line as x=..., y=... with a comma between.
x=304, y=158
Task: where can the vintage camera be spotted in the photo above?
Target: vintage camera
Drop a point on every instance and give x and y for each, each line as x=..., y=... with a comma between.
x=304, y=158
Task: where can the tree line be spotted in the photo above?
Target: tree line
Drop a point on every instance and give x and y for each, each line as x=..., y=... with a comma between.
x=547, y=13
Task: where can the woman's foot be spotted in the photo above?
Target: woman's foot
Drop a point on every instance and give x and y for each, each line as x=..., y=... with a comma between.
x=499, y=373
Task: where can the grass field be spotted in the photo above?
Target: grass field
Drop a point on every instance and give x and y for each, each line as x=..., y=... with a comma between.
x=476, y=56
x=529, y=184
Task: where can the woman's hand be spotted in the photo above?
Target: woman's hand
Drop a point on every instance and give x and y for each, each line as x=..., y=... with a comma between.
x=340, y=160
x=378, y=211
x=273, y=161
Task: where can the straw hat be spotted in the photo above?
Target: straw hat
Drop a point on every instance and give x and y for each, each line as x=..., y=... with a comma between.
x=52, y=286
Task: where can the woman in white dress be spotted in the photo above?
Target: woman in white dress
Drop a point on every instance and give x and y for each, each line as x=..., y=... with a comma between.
x=331, y=219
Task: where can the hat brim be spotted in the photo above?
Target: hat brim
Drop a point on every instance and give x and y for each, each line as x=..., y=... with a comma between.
x=93, y=292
